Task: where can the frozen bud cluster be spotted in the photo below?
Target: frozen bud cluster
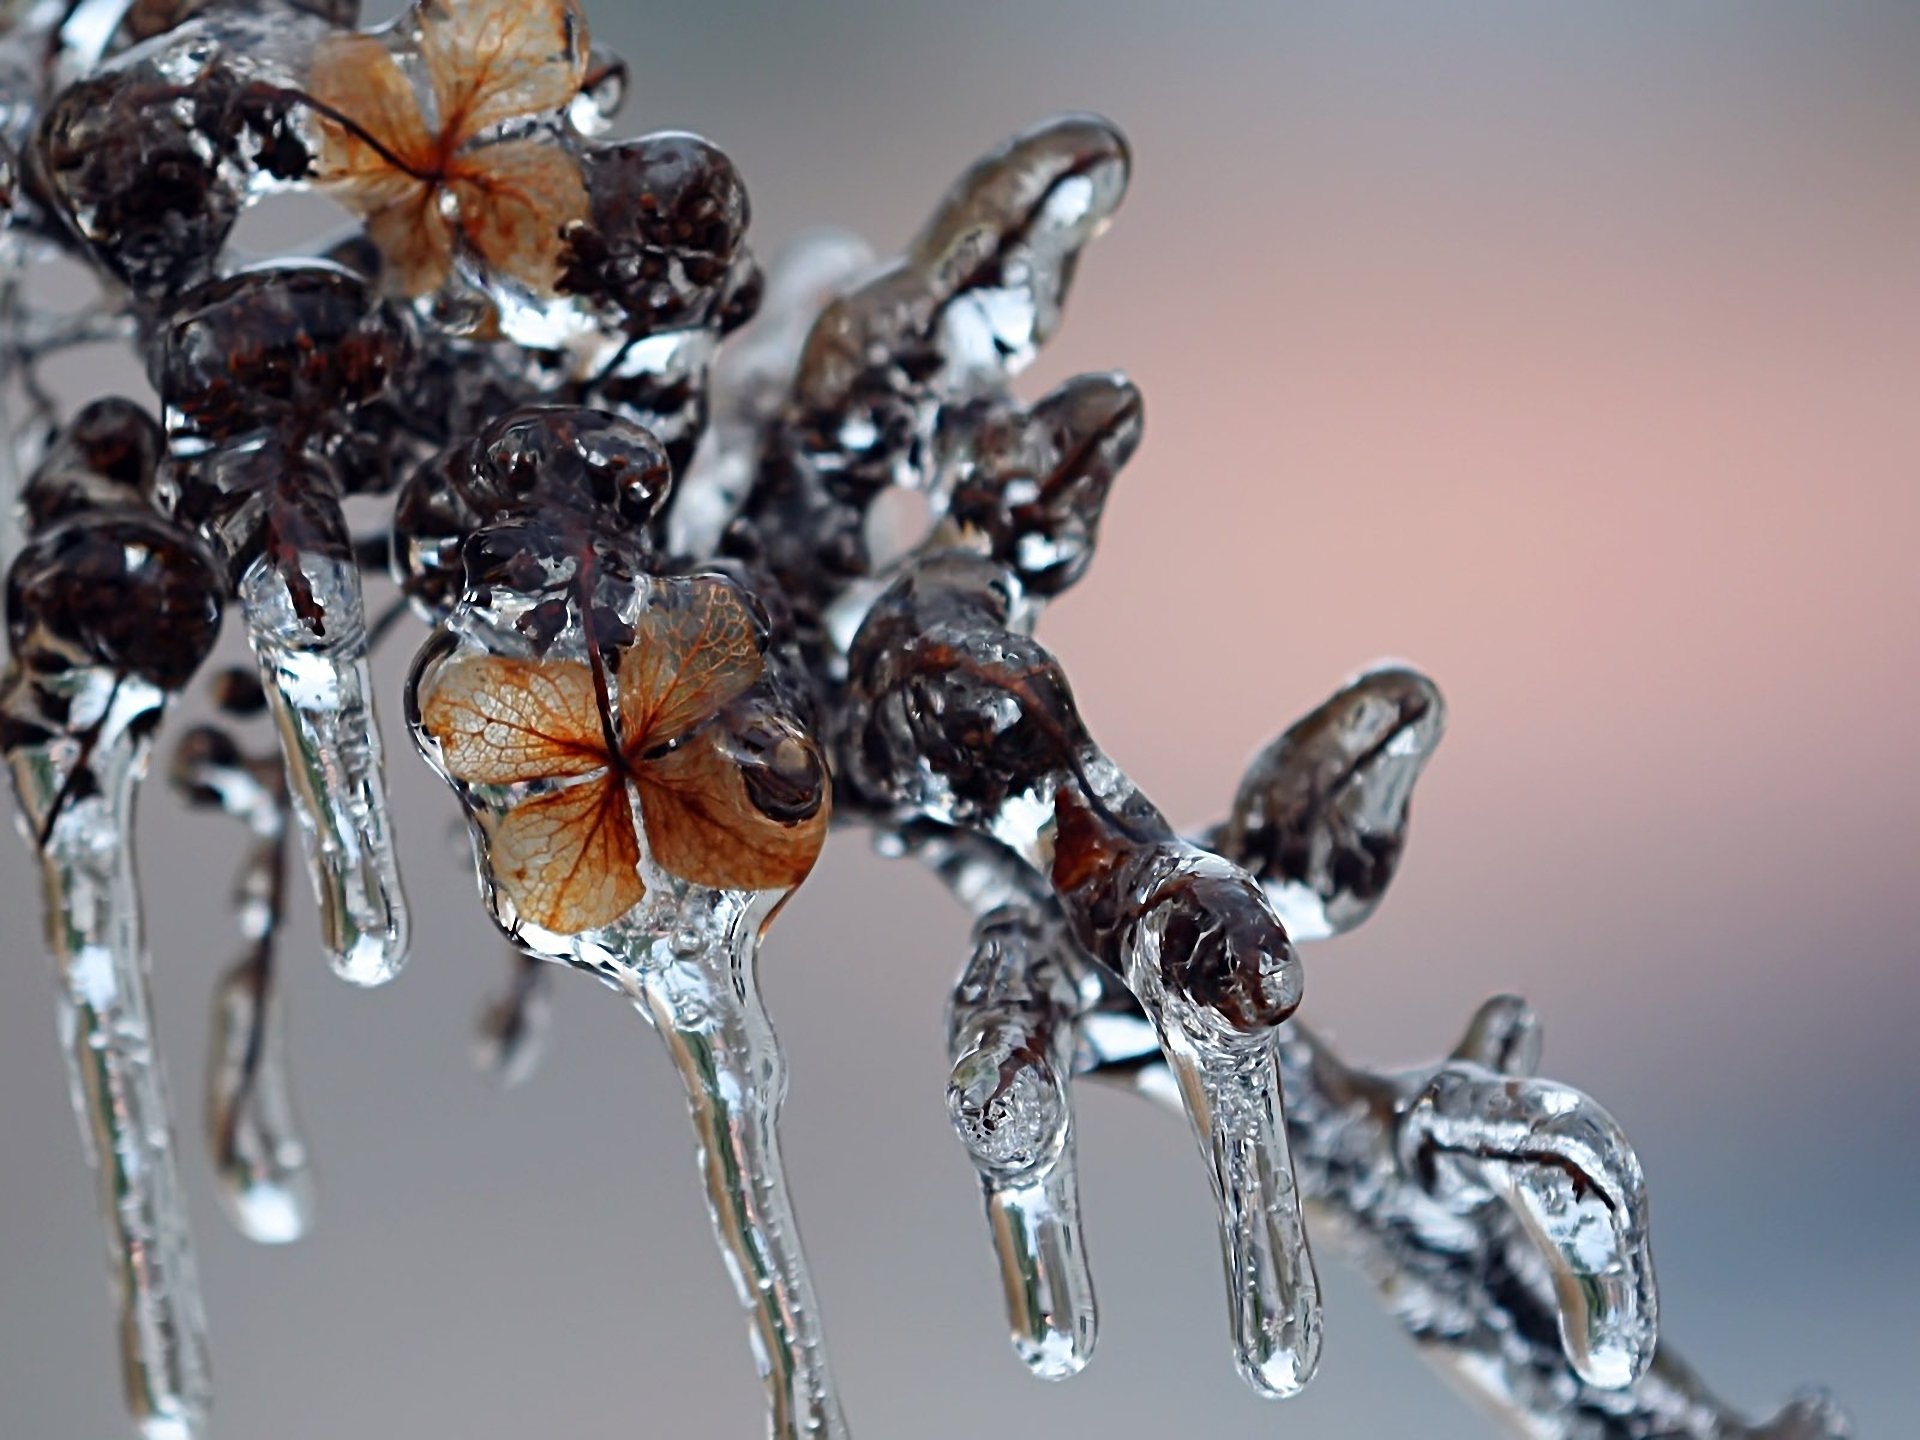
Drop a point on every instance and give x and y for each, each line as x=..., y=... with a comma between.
x=709, y=561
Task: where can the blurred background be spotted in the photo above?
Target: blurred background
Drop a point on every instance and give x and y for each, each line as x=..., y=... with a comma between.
x=1569, y=352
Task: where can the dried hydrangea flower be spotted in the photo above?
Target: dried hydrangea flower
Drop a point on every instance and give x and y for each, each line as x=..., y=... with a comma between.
x=569, y=857
x=461, y=179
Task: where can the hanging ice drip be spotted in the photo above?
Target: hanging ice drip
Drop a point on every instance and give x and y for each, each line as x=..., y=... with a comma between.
x=252, y=1133
x=263, y=373
x=644, y=790
x=110, y=609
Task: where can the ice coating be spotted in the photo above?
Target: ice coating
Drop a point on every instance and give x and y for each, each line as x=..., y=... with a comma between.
x=964, y=721
x=1214, y=973
x=119, y=1089
x=892, y=518
x=947, y=324
x=1011, y=1035
x=1321, y=816
x=108, y=611
x=320, y=689
x=705, y=1003
x=253, y=1134
x=258, y=370
x=641, y=795
x=149, y=159
x=1561, y=1164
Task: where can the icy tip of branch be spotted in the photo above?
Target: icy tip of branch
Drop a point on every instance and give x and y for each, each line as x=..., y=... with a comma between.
x=1565, y=1170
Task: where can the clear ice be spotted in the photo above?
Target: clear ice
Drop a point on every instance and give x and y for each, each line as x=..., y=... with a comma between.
x=263, y=483
x=648, y=695
x=109, y=611
x=1562, y=1166
x=119, y=1088
x=320, y=687
x=1010, y=1031
x=253, y=1134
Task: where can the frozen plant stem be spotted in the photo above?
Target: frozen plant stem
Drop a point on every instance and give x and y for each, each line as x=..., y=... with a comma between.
x=259, y=1157
x=1230, y=1086
x=1011, y=1034
x=1562, y=1166
x=119, y=1091
x=319, y=689
x=706, y=1006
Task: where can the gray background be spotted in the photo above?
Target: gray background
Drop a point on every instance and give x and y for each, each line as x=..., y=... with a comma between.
x=1568, y=351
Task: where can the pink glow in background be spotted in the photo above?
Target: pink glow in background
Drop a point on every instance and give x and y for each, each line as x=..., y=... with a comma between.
x=1571, y=353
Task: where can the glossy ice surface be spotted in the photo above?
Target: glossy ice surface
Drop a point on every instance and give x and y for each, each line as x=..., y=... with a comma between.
x=521, y=355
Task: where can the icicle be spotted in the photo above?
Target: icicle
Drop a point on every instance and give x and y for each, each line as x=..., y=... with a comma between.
x=253, y=1134
x=119, y=1090
x=704, y=1000
x=1561, y=1164
x=1011, y=1035
x=256, y=369
x=320, y=688
x=109, y=610
x=266, y=1183
x=1229, y=1079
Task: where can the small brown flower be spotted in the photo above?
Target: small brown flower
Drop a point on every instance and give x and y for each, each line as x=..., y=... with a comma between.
x=569, y=859
x=422, y=184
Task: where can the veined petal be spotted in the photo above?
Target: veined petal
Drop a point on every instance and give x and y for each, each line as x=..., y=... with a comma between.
x=500, y=721
x=358, y=77
x=569, y=861
x=696, y=648
x=495, y=60
x=703, y=825
x=415, y=240
x=515, y=201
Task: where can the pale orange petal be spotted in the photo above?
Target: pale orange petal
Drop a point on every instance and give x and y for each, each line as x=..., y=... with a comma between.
x=703, y=826
x=495, y=60
x=696, y=648
x=515, y=200
x=357, y=76
x=499, y=721
x=569, y=861
x=415, y=240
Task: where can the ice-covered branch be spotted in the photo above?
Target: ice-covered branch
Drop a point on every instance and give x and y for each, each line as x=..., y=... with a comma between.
x=109, y=611
x=688, y=601
x=1504, y=1217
